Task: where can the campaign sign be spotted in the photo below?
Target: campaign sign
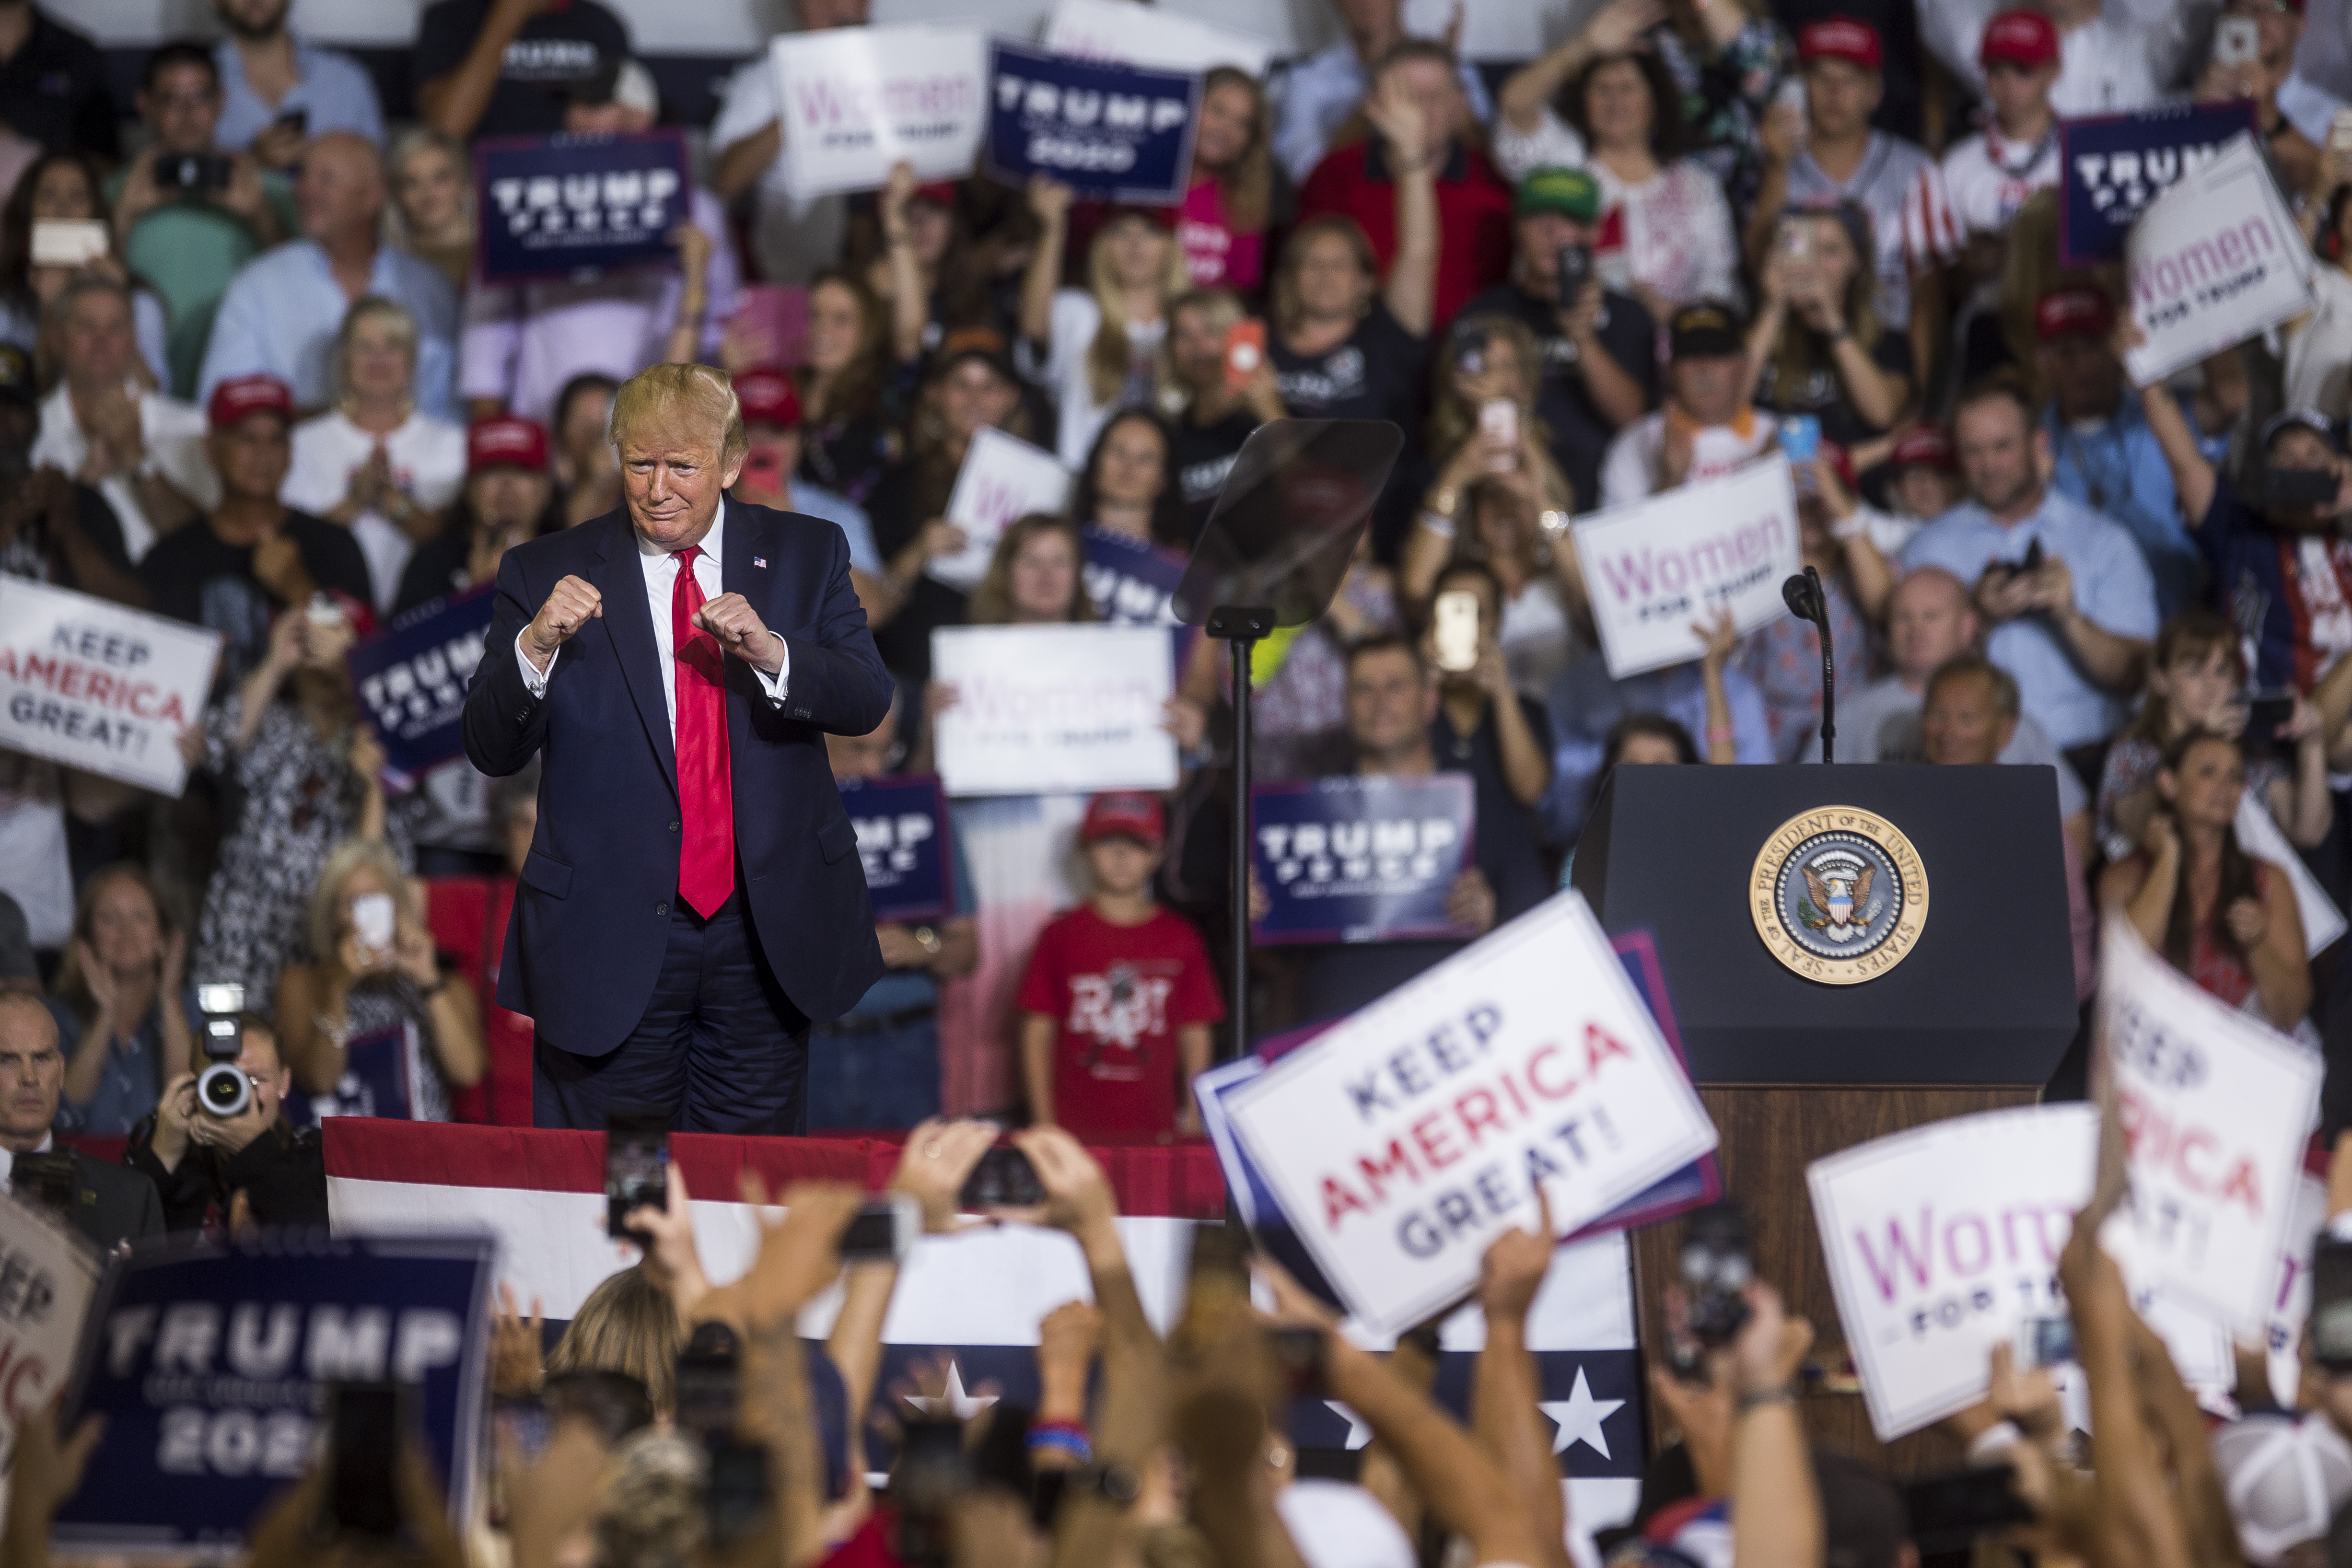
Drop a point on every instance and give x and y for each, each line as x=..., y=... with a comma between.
x=2215, y=1108
x=1136, y=35
x=858, y=100
x=1941, y=1240
x=554, y=207
x=1657, y=568
x=1115, y=131
x=1003, y=477
x=2291, y=1287
x=902, y=839
x=1358, y=859
x=210, y=1359
x=1409, y=1136
x=412, y=678
x=48, y=1274
x=2215, y=260
x=1131, y=582
x=2113, y=165
x=95, y=686
x=375, y=1082
x=1054, y=707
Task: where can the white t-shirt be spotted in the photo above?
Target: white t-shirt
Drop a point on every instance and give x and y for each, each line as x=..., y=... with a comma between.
x=794, y=237
x=2319, y=354
x=1076, y=320
x=1989, y=177
x=428, y=461
x=1336, y=1525
x=34, y=868
x=1536, y=636
x=174, y=434
x=1629, y=472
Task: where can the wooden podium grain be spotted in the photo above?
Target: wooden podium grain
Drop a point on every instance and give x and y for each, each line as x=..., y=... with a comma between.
x=1770, y=1133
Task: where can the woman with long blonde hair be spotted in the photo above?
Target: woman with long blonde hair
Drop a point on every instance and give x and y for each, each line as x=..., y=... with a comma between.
x=1096, y=348
x=1236, y=184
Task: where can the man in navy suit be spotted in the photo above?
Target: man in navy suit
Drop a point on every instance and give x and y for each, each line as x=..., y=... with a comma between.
x=693, y=896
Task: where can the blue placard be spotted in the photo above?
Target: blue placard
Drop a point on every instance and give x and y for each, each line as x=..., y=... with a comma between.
x=412, y=678
x=2115, y=165
x=1360, y=859
x=902, y=837
x=1131, y=582
x=374, y=1082
x=209, y=1360
x=555, y=206
x=1113, y=132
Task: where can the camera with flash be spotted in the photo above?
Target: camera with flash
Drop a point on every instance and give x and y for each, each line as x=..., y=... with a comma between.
x=222, y=1089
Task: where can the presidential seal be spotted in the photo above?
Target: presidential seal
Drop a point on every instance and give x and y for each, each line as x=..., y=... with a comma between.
x=1839, y=895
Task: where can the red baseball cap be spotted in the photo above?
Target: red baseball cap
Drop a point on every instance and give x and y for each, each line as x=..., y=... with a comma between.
x=1128, y=814
x=1925, y=445
x=1841, y=461
x=2020, y=37
x=767, y=397
x=939, y=193
x=2073, y=307
x=1839, y=38
x=504, y=440
x=241, y=395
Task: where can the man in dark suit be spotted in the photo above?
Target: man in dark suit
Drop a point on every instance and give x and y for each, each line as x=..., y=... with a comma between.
x=692, y=897
x=111, y=1205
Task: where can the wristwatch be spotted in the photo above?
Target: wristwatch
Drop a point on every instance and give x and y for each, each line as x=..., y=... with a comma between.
x=926, y=939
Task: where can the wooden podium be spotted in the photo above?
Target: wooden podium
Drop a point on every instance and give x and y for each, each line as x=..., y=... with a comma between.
x=1974, y=1017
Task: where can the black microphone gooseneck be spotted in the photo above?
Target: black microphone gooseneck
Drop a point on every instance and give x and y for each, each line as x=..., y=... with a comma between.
x=1803, y=595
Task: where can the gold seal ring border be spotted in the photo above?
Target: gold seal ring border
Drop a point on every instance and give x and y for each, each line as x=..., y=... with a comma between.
x=1764, y=902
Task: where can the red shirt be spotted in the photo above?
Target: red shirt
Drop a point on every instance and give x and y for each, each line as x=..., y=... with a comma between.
x=468, y=918
x=1118, y=994
x=1474, y=217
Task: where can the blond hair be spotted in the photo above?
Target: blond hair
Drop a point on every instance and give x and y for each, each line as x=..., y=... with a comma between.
x=1112, y=353
x=629, y=1326
x=696, y=396
x=372, y=307
x=327, y=893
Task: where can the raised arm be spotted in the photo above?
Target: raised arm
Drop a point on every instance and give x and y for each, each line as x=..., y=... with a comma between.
x=1049, y=201
x=1506, y=1388
x=911, y=312
x=1412, y=284
x=1612, y=31
x=454, y=104
x=1776, y=1511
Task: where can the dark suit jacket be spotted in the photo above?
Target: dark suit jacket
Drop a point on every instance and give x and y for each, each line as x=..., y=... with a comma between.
x=113, y=1203
x=592, y=911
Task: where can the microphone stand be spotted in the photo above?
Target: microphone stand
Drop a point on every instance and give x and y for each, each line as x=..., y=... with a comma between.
x=1828, y=666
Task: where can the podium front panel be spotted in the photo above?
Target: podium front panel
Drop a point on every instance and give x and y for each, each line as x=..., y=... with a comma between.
x=1986, y=994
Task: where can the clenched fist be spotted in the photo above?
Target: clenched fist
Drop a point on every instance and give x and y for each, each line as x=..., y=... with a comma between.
x=740, y=631
x=573, y=605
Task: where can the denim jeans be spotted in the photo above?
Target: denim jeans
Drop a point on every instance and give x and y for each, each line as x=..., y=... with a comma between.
x=885, y=1081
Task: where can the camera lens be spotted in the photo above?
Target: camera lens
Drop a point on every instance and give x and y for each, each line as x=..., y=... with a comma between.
x=222, y=1090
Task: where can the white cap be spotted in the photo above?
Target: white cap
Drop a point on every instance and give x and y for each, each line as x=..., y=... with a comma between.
x=2284, y=1477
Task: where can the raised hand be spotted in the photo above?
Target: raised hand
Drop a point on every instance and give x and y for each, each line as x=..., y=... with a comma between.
x=740, y=631
x=572, y=605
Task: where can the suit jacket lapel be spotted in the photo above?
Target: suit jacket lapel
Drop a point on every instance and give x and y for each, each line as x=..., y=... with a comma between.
x=628, y=620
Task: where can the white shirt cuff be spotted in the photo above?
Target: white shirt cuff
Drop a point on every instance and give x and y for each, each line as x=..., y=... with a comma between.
x=533, y=678
x=775, y=685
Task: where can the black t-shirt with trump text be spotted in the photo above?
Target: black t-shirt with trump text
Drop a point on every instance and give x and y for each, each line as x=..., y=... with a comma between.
x=1580, y=435
x=561, y=47
x=194, y=575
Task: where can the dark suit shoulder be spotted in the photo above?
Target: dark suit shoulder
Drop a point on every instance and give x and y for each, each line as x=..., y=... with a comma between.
x=110, y=1181
x=573, y=550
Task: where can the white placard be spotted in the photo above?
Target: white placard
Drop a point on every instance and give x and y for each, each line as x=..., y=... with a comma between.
x=99, y=687
x=2259, y=836
x=857, y=100
x=1941, y=1240
x=1003, y=477
x=2215, y=1108
x=1655, y=568
x=1054, y=707
x=54, y=1272
x=1125, y=33
x=2213, y=261
x=2291, y=1290
x=1404, y=1140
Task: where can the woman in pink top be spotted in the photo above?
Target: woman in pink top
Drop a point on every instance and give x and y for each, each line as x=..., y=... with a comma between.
x=1229, y=206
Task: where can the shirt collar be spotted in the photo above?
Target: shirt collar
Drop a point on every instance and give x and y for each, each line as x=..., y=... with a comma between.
x=709, y=541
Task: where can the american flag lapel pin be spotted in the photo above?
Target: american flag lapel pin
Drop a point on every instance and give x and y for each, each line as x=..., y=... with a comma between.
x=760, y=560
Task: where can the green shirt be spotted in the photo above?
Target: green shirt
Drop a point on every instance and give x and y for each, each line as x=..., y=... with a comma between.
x=186, y=251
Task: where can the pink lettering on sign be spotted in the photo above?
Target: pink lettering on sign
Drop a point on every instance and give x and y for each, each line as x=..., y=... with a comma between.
x=1962, y=1245
x=2203, y=262
x=1633, y=574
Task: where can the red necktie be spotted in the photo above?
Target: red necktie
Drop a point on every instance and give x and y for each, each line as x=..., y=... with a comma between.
x=705, y=791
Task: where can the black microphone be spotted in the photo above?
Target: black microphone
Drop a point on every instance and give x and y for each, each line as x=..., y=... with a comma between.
x=1802, y=592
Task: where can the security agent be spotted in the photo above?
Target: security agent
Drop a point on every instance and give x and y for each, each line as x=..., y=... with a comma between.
x=110, y=1204
x=199, y=1160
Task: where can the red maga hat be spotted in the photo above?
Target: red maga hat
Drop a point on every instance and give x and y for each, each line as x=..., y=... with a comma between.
x=2019, y=37
x=504, y=440
x=1839, y=38
x=767, y=396
x=2073, y=307
x=1925, y=445
x=241, y=395
x=1130, y=814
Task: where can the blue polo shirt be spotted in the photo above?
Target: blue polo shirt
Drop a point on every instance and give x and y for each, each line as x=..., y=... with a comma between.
x=333, y=89
x=281, y=313
x=2113, y=587
x=2117, y=468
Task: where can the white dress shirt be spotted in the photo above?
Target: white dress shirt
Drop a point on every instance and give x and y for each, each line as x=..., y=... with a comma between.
x=8, y=1160
x=173, y=433
x=661, y=581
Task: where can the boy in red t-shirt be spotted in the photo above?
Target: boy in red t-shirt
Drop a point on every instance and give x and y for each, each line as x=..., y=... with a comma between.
x=1119, y=993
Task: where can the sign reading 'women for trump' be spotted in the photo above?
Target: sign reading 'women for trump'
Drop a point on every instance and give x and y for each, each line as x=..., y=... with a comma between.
x=1404, y=1140
x=1657, y=568
x=2214, y=260
x=1054, y=707
x=857, y=100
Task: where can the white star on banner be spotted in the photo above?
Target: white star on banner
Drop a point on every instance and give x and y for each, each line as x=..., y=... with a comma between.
x=1579, y=1416
x=955, y=1402
x=1360, y=1431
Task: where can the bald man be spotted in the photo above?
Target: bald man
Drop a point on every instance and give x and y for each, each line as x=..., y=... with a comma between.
x=280, y=316
x=1931, y=620
x=110, y=1203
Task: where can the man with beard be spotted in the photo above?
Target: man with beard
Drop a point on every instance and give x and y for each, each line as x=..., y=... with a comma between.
x=2067, y=593
x=277, y=93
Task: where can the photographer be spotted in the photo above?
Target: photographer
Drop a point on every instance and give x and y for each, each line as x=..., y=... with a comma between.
x=200, y=1161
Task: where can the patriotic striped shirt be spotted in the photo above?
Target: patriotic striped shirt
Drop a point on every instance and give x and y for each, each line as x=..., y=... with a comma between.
x=1911, y=220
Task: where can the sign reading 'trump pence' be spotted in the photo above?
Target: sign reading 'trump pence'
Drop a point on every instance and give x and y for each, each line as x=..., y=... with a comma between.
x=1658, y=568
